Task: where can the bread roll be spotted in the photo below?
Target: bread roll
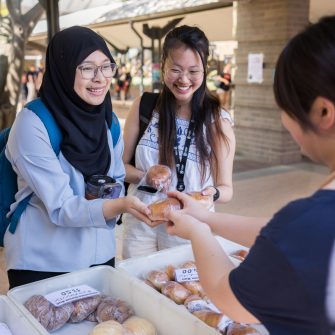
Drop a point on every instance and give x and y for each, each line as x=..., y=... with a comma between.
x=241, y=329
x=158, y=176
x=113, y=309
x=240, y=254
x=40, y=308
x=205, y=200
x=195, y=287
x=157, y=278
x=139, y=326
x=209, y=317
x=170, y=270
x=195, y=303
x=84, y=307
x=110, y=327
x=160, y=209
x=175, y=291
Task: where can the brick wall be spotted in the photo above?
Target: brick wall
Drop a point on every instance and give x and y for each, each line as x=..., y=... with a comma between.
x=264, y=26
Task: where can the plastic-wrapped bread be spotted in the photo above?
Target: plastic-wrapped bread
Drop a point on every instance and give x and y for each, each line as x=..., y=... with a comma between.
x=149, y=283
x=110, y=327
x=160, y=209
x=49, y=316
x=195, y=287
x=171, y=272
x=211, y=318
x=187, y=265
x=242, y=329
x=195, y=303
x=139, y=326
x=240, y=254
x=113, y=309
x=84, y=307
x=40, y=308
x=159, y=177
x=157, y=278
x=205, y=200
x=175, y=291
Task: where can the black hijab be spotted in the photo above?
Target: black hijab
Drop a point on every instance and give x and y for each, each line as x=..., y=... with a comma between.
x=83, y=126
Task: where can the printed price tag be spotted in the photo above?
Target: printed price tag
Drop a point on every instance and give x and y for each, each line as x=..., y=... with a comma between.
x=186, y=274
x=61, y=297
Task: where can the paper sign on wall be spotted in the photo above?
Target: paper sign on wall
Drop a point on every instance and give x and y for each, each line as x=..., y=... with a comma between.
x=255, y=68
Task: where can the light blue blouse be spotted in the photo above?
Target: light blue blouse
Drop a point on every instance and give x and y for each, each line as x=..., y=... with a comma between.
x=60, y=230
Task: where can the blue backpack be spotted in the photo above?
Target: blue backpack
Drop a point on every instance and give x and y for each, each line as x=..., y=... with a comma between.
x=8, y=178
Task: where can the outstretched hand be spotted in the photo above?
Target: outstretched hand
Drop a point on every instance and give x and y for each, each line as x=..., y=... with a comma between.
x=138, y=209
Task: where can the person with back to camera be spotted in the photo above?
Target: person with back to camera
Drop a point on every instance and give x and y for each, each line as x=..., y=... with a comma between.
x=184, y=108
x=286, y=277
x=61, y=231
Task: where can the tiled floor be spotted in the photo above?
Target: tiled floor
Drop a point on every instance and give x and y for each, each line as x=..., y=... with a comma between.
x=258, y=192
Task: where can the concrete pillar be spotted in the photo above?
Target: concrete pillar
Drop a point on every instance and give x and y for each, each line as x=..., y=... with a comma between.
x=264, y=26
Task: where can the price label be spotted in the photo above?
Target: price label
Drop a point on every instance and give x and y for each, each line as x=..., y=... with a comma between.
x=186, y=274
x=61, y=297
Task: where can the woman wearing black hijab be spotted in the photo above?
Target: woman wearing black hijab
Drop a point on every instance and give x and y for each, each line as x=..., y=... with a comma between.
x=60, y=230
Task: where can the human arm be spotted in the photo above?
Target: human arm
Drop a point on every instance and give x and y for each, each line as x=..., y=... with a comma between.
x=130, y=135
x=213, y=265
x=240, y=229
x=225, y=154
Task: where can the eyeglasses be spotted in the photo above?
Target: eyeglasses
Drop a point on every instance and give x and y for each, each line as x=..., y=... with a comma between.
x=89, y=71
x=174, y=73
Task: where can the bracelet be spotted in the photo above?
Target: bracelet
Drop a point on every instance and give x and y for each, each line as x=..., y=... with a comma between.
x=216, y=195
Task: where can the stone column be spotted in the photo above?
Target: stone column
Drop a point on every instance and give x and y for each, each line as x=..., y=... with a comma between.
x=264, y=26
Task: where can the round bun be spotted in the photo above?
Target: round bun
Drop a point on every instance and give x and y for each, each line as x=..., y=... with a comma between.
x=158, y=175
x=205, y=200
x=160, y=209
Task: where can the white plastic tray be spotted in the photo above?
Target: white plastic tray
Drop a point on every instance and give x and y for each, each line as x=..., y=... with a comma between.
x=14, y=318
x=156, y=308
x=140, y=266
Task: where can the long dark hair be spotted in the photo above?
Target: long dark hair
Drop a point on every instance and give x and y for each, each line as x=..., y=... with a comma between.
x=205, y=106
x=305, y=70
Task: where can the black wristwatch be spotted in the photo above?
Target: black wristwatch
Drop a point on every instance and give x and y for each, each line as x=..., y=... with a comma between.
x=216, y=195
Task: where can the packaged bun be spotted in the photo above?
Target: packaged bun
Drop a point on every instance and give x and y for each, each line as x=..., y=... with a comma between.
x=242, y=329
x=158, y=176
x=176, y=292
x=170, y=270
x=161, y=208
x=205, y=200
x=139, y=326
x=195, y=303
x=195, y=287
x=84, y=307
x=240, y=254
x=211, y=318
x=49, y=316
x=157, y=278
x=113, y=309
x=187, y=265
x=110, y=327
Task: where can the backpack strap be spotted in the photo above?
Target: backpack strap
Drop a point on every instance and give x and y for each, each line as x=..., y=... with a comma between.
x=115, y=129
x=55, y=136
x=147, y=105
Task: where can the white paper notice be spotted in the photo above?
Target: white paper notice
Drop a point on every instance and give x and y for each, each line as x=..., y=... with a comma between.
x=255, y=68
x=61, y=297
x=186, y=274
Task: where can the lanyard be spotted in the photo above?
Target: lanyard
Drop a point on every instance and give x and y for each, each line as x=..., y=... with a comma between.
x=181, y=163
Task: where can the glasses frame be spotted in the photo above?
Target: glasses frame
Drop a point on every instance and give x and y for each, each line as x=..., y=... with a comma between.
x=174, y=76
x=97, y=68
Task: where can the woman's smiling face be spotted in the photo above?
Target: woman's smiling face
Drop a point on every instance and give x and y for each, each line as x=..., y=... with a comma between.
x=93, y=91
x=183, y=73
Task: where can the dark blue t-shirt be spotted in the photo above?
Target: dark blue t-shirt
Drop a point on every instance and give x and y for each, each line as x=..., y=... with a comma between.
x=283, y=280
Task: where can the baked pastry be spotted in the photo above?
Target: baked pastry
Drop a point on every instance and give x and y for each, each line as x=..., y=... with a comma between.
x=139, y=326
x=170, y=270
x=205, y=200
x=240, y=254
x=161, y=208
x=195, y=303
x=159, y=177
x=113, y=309
x=209, y=317
x=241, y=329
x=157, y=278
x=175, y=291
x=195, y=287
x=110, y=327
x=84, y=307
